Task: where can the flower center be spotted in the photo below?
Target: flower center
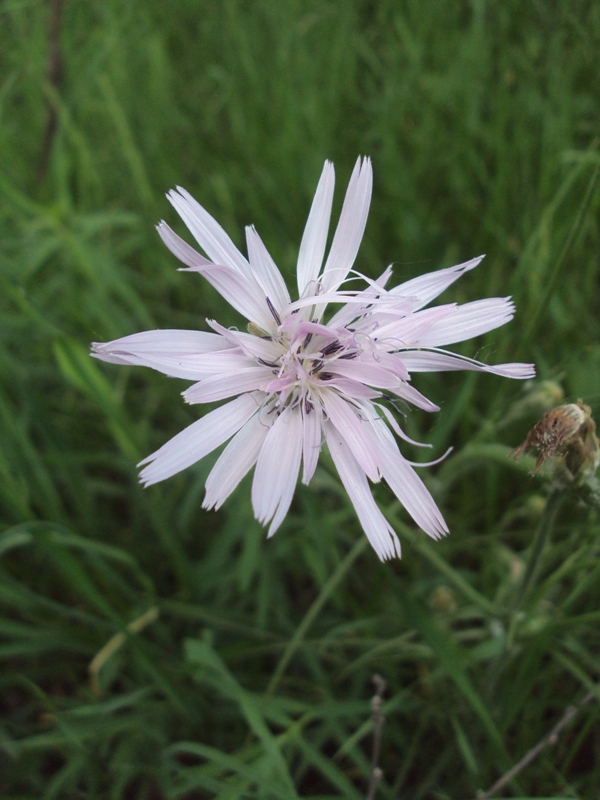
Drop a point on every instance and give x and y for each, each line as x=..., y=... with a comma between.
x=307, y=364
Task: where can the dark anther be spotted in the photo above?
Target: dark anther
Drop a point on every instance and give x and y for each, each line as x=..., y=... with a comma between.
x=349, y=355
x=316, y=367
x=326, y=376
x=307, y=339
x=332, y=347
x=308, y=406
x=276, y=316
x=267, y=363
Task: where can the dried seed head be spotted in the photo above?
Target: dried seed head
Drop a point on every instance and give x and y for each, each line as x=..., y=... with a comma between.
x=567, y=432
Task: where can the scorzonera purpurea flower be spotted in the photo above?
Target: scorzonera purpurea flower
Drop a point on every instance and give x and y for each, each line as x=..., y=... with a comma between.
x=302, y=376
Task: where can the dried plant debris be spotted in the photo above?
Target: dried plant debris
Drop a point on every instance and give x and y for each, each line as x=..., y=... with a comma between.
x=568, y=434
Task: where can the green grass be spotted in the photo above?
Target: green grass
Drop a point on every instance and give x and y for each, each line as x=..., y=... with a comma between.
x=254, y=680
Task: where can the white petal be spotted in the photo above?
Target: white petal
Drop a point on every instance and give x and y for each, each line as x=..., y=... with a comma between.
x=189, y=367
x=397, y=429
x=388, y=363
x=353, y=389
x=311, y=441
x=411, y=329
x=469, y=320
x=354, y=430
x=266, y=272
x=408, y=392
x=235, y=461
x=248, y=343
x=277, y=469
x=179, y=354
x=179, y=247
x=314, y=238
x=351, y=226
x=161, y=342
x=441, y=361
x=346, y=314
x=406, y=484
x=242, y=293
x=430, y=463
x=427, y=287
x=219, y=387
x=380, y=533
x=226, y=363
x=358, y=370
x=198, y=439
x=359, y=299
x=207, y=232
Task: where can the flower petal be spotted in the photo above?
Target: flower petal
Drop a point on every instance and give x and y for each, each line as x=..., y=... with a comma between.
x=429, y=286
x=207, y=232
x=354, y=430
x=353, y=389
x=312, y=420
x=469, y=320
x=219, y=387
x=346, y=314
x=411, y=329
x=241, y=292
x=180, y=248
x=441, y=361
x=179, y=354
x=199, y=439
x=314, y=238
x=249, y=344
x=397, y=429
x=406, y=484
x=163, y=341
x=276, y=472
x=235, y=461
x=265, y=271
x=412, y=395
x=368, y=373
x=351, y=226
x=379, y=532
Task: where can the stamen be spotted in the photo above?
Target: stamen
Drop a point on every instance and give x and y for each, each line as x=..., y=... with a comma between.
x=267, y=363
x=276, y=316
x=332, y=347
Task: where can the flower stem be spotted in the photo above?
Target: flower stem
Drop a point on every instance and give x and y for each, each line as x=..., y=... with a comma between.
x=542, y=536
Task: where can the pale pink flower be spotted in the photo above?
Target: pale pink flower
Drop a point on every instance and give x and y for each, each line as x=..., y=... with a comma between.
x=302, y=377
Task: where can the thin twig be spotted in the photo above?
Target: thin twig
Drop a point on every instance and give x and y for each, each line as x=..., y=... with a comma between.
x=115, y=643
x=549, y=739
x=54, y=71
x=378, y=722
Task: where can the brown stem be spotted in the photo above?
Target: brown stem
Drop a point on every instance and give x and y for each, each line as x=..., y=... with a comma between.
x=54, y=71
x=378, y=721
x=549, y=739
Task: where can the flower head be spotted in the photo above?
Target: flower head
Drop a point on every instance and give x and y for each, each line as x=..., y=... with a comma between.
x=302, y=377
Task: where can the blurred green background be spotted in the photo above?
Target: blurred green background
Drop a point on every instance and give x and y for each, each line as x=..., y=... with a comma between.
x=151, y=650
